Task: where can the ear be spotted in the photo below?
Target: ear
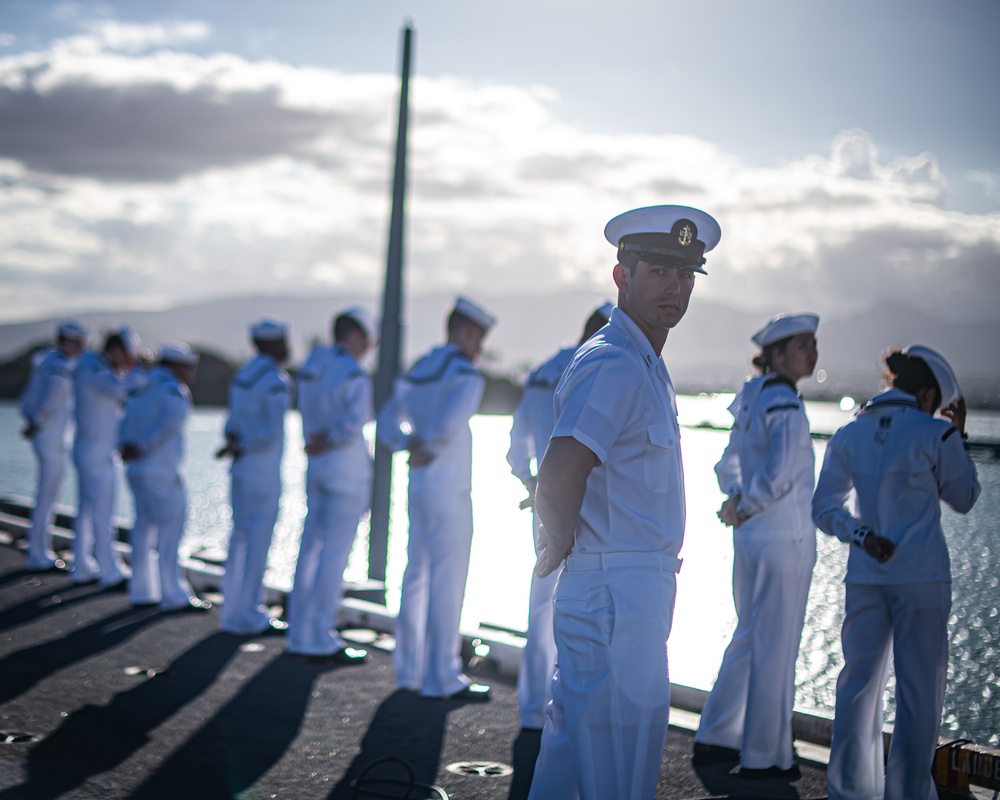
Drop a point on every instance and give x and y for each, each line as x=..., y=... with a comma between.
x=621, y=276
x=928, y=399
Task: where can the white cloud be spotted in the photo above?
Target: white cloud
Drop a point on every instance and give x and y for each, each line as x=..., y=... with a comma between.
x=138, y=175
x=989, y=181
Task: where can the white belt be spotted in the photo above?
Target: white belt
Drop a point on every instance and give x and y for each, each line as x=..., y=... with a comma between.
x=660, y=561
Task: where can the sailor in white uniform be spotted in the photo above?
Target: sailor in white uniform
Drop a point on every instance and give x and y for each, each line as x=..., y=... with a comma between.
x=610, y=497
x=428, y=414
x=259, y=397
x=901, y=462
x=47, y=408
x=335, y=400
x=152, y=446
x=101, y=383
x=529, y=435
x=767, y=473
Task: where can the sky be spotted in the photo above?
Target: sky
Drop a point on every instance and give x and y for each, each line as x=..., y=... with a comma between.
x=154, y=154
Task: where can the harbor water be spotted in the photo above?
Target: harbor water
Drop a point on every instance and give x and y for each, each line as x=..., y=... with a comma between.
x=502, y=554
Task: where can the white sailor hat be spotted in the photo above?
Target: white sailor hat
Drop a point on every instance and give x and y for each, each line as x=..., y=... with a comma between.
x=178, y=353
x=605, y=309
x=672, y=235
x=129, y=339
x=784, y=325
x=363, y=320
x=943, y=373
x=474, y=313
x=268, y=330
x=71, y=329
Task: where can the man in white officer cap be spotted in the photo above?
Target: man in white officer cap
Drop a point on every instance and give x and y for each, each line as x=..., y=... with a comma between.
x=610, y=496
x=152, y=446
x=428, y=415
x=529, y=437
x=100, y=385
x=335, y=400
x=259, y=397
x=47, y=407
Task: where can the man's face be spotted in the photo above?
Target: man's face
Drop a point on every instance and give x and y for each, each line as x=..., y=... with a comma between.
x=655, y=296
x=275, y=348
x=119, y=359
x=71, y=347
x=357, y=344
x=470, y=340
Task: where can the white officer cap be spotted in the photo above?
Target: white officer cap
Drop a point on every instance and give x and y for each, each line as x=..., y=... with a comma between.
x=474, y=313
x=605, y=309
x=673, y=235
x=943, y=373
x=784, y=325
x=268, y=330
x=129, y=338
x=363, y=320
x=178, y=353
x=72, y=329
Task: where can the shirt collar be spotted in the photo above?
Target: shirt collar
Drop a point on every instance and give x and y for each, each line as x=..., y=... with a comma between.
x=620, y=319
x=890, y=397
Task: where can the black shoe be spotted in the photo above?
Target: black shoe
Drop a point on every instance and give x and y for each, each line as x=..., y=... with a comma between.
x=473, y=693
x=275, y=627
x=768, y=773
x=195, y=604
x=707, y=754
x=121, y=586
x=350, y=657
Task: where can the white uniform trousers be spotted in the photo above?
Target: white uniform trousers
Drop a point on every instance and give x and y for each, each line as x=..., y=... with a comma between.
x=607, y=723
x=538, y=660
x=255, y=510
x=428, y=647
x=327, y=537
x=910, y=623
x=52, y=454
x=750, y=706
x=160, y=513
x=94, y=554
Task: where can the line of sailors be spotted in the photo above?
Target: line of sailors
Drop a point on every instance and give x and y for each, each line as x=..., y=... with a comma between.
x=766, y=473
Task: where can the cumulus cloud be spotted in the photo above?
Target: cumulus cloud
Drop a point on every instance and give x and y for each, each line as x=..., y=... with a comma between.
x=135, y=174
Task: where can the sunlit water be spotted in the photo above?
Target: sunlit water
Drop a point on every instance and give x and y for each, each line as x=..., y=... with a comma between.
x=502, y=554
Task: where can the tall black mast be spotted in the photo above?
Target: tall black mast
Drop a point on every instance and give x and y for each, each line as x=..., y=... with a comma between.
x=389, y=348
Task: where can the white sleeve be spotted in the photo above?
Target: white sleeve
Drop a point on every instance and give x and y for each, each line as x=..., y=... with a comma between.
x=829, y=504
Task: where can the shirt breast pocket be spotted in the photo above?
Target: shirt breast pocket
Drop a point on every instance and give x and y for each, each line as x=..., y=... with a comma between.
x=660, y=463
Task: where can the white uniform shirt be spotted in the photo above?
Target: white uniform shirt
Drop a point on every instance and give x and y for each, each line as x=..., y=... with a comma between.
x=435, y=401
x=901, y=462
x=47, y=401
x=335, y=400
x=100, y=394
x=769, y=461
x=535, y=417
x=616, y=398
x=258, y=399
x=154, y=422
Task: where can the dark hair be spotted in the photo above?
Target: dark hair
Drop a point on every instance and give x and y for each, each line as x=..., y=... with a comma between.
x=114, y=339
x=595, y=322
x=343, y=326
x=762, y=361
x=456, y=321
x=909, y=373
x=629, y=260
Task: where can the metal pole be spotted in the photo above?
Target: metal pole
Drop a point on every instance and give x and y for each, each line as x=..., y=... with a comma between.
x=389, y=347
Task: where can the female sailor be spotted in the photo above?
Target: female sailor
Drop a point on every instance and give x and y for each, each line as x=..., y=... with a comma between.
x=767, y=473
x=901, y=462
